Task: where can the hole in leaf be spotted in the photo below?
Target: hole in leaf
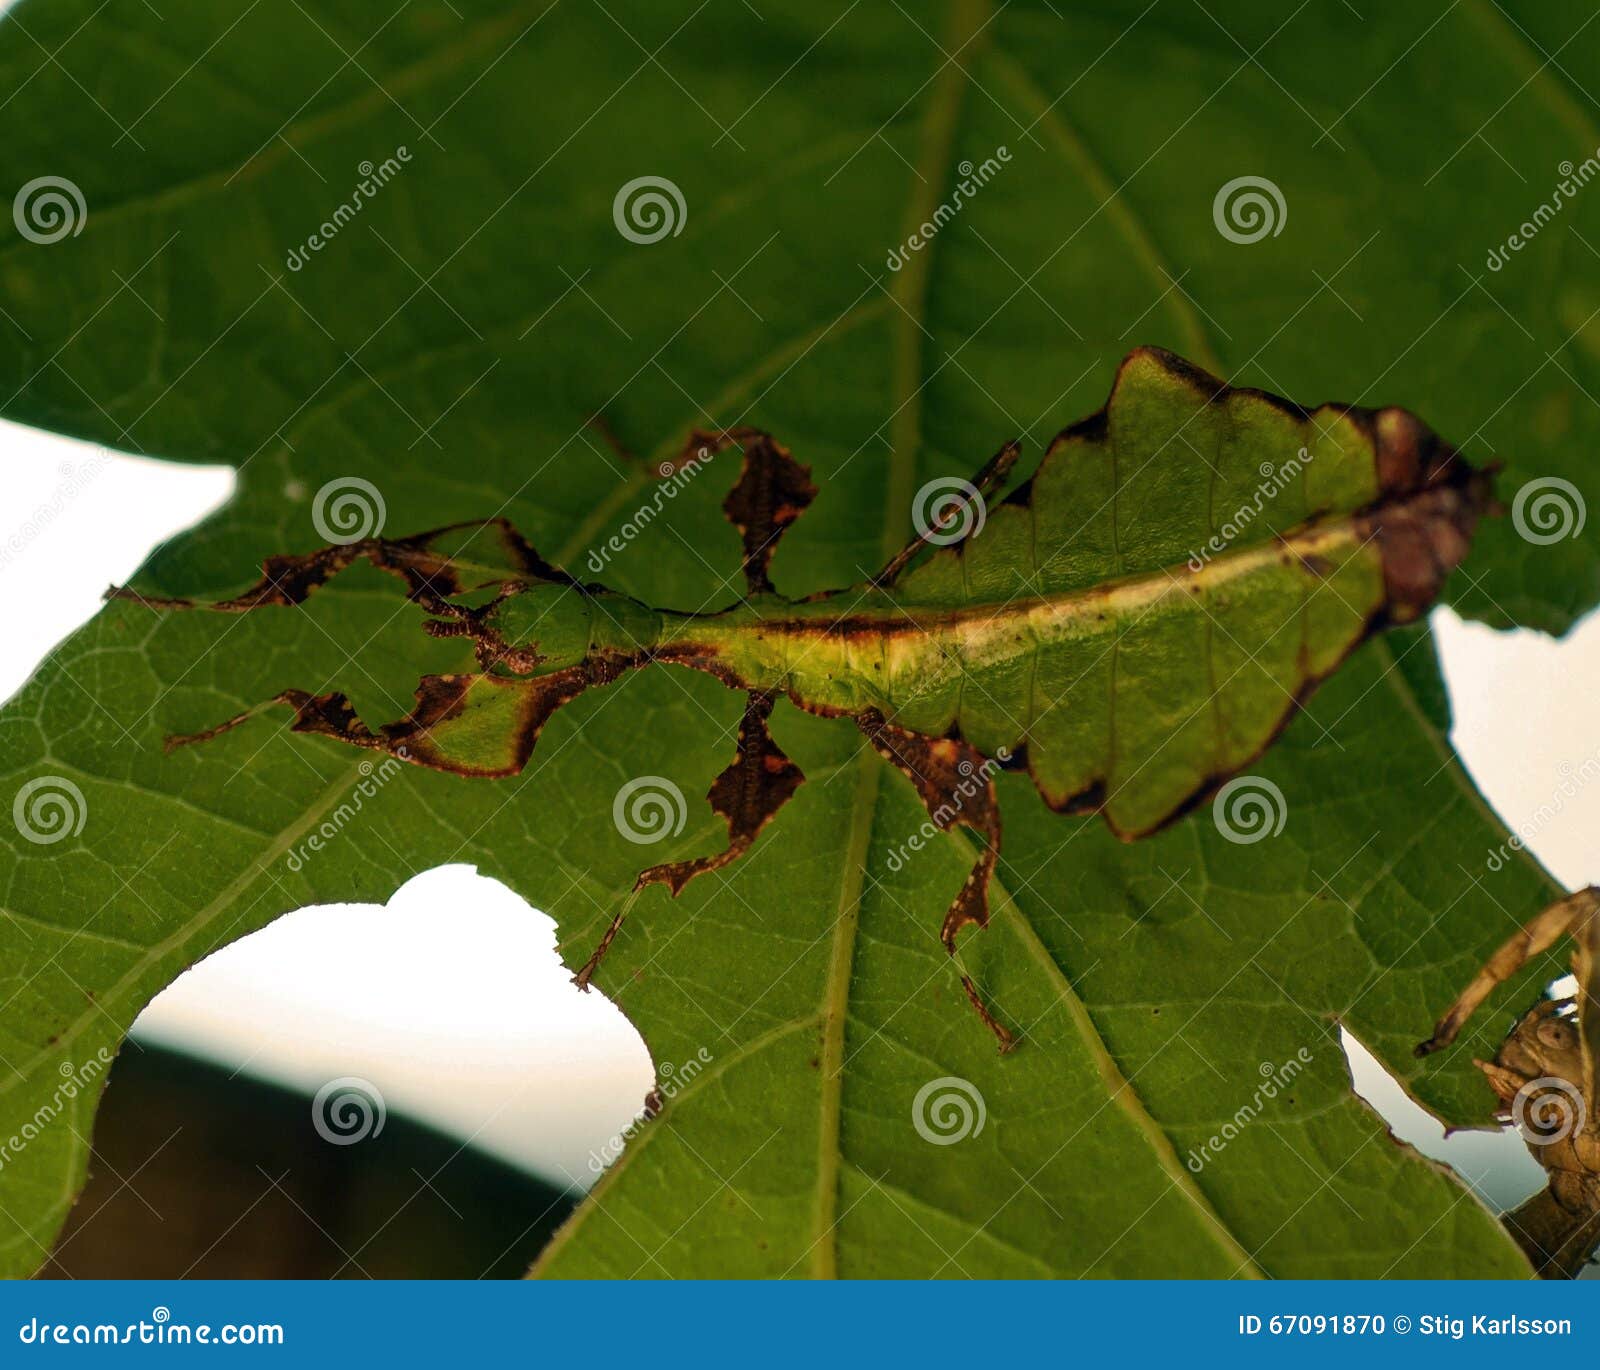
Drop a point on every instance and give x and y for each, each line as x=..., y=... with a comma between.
x=450, y=999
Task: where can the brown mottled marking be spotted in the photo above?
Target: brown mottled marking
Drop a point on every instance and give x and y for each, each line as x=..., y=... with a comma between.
x=772, y=491
x=1563, y=918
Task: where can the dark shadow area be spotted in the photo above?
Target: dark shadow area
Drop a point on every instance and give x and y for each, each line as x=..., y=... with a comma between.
x=196, y=1174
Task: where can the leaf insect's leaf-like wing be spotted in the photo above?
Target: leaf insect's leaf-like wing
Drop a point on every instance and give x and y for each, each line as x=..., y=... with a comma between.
x=1184, y=567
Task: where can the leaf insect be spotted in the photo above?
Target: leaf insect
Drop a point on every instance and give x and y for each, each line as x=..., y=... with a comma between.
x=1108, y=626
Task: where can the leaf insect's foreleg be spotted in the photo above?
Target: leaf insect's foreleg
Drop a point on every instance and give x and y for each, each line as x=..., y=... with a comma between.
x=1569, y=915
x=481, y=724
x=453, y=560
x=955, y=783
x=477, y=724
x=989, y=478
x=760, y=780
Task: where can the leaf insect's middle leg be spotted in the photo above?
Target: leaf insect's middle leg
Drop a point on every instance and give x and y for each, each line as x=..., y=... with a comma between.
x=954, y=781
x=759, y=781
x=771, y=492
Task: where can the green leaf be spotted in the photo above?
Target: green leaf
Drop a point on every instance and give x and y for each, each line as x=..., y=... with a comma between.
x=449, y=342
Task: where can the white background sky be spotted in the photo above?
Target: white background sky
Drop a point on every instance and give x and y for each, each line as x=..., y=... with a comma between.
x=451, y=998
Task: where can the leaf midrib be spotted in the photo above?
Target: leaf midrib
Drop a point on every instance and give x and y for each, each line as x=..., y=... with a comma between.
x=964, y=21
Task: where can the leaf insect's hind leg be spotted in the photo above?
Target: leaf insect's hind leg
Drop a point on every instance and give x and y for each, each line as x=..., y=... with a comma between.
x=1570, y=915
x=772, y=491
x=955, y=783
x=990, y=477
x=756, y=784
x=759, y=781
x=297, y=700
x=586, y=971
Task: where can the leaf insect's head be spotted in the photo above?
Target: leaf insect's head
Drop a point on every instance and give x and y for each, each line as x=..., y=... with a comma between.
x=528, y=629
x=1544, y=1044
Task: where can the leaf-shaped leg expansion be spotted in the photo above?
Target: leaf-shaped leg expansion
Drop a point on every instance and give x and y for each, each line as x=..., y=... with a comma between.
x=759, y=782
x=955, y=782
x=772, y=491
